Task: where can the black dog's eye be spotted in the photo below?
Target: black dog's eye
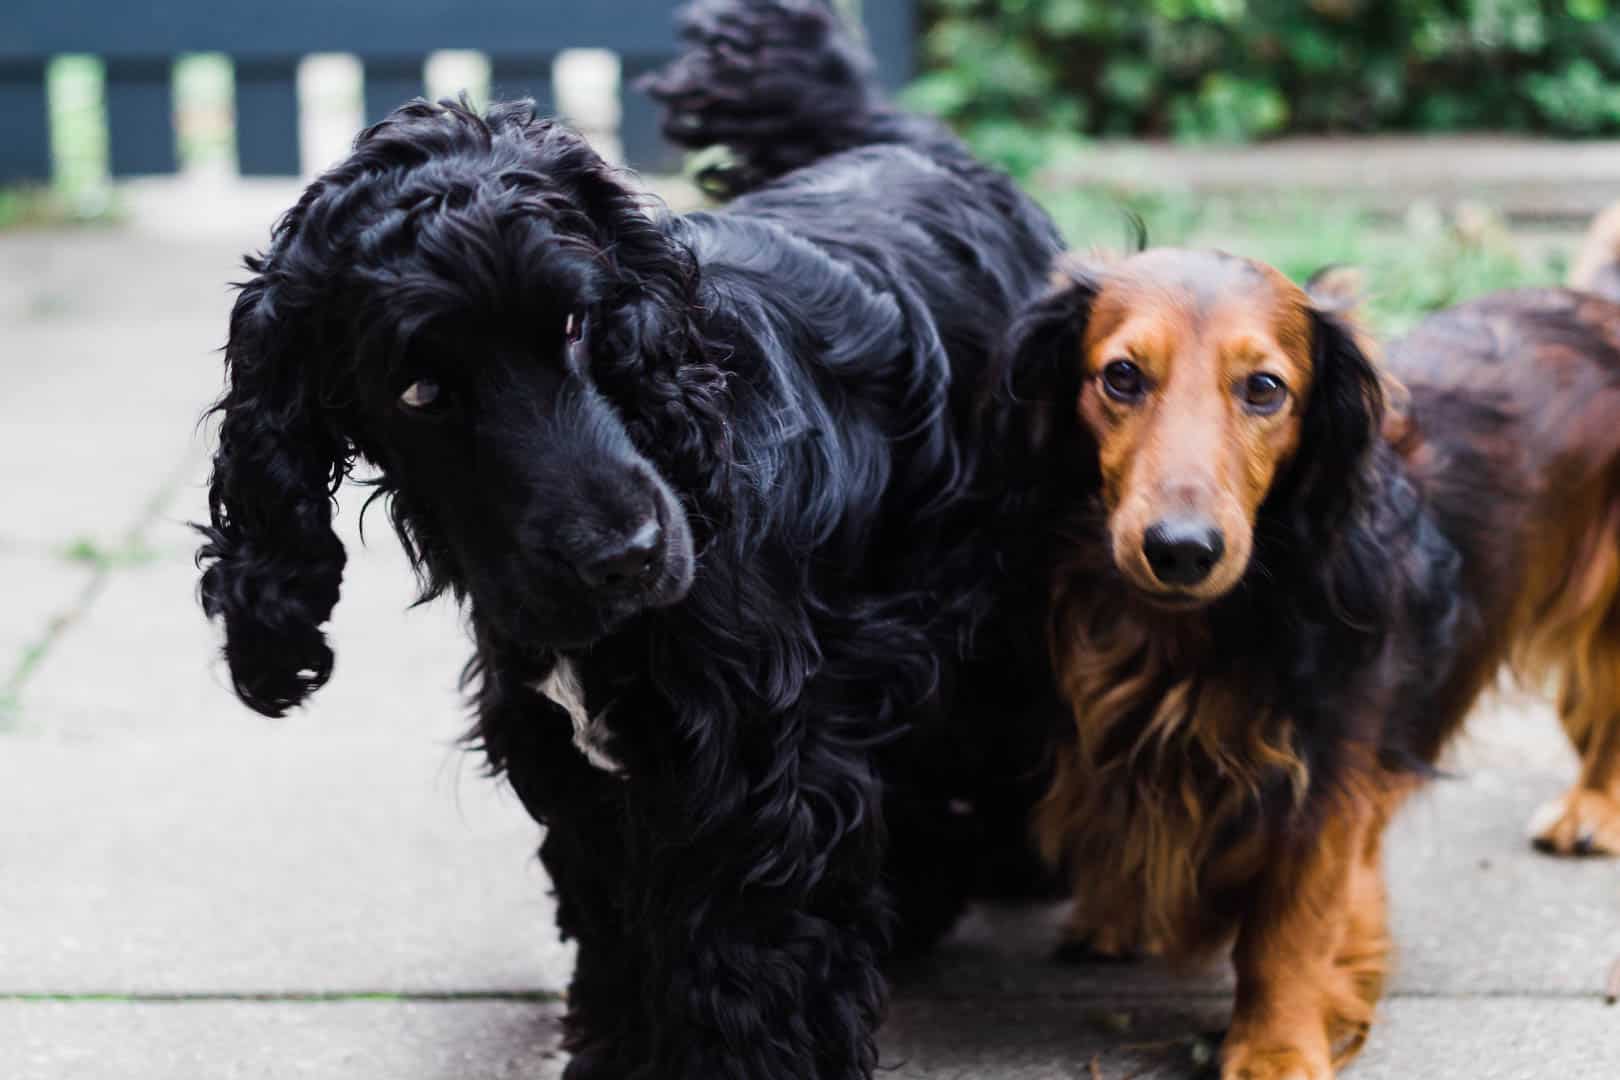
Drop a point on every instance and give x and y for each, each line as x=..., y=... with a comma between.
x=574, y=327
x=1263, y=393
x=1124, y=381
x=421, y=394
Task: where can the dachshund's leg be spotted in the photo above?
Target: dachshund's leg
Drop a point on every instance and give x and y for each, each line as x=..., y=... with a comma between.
x=1586, y=821
x=1311, y=957
x=1362, y=961
x=762, y=909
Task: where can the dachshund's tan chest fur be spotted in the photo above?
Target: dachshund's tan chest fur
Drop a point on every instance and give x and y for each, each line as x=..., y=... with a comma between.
x=1154, y=806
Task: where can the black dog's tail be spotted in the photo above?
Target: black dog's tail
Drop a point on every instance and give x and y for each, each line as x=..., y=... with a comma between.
x=780, y=83
x=1597, y=267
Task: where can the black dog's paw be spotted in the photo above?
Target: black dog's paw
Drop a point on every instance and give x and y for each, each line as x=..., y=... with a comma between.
x=596, y=1062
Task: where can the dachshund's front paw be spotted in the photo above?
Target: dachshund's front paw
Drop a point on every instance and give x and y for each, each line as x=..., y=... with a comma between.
x=1265, y=1059
x=1583, y=822
x=1081, y=943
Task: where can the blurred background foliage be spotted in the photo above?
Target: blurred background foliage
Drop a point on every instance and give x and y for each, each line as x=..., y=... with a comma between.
x=1429, y=258
x=1024, y=79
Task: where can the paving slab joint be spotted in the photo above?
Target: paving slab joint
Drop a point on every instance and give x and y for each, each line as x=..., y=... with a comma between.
x=295, y=997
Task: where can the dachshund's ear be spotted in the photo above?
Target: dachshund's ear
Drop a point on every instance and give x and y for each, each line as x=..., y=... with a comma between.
x=1036, y=376
x=271, y=563
x=1337, y=289
x=1344, y=413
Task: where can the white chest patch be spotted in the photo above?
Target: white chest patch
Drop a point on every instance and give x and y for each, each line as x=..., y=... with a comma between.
x=590, y=732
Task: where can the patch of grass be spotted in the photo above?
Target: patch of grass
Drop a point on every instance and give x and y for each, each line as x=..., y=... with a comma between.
x=1428, y=261
x=87, y=551
x=36, y=207
x=11, y=689
x=79, y=192
x=31, y=206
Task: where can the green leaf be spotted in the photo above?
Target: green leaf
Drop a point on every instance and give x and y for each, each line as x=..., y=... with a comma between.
x=939, y=93
x=1130, y=82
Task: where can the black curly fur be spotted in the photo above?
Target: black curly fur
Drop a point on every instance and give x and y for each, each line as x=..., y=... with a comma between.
x=274, y=475
x=741, y=81
x=815, y=667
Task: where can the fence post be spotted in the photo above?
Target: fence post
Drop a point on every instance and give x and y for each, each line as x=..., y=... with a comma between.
x=25, y=135
x=390, y=82
x=639, y=131
x=267, y=116
x=891, y=30
x=512, y=77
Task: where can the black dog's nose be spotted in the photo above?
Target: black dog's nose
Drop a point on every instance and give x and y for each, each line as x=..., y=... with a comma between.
x=626, y=562
x=1182, y=551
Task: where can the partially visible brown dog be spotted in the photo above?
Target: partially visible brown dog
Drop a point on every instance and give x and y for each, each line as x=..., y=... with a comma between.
x=1274, y=601
x=1597, y=268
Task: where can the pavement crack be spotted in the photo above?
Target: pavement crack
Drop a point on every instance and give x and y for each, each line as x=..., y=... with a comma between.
x=297, y=997
x=132, y=549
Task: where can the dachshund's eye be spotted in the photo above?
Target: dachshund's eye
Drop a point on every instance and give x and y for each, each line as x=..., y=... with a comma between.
x=1264, y=394
x=574, y=327
x=421, y=394
x=1124, y=381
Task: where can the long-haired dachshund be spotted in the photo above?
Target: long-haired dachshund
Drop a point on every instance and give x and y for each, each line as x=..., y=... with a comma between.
x=1275, y=599
x=703, y=485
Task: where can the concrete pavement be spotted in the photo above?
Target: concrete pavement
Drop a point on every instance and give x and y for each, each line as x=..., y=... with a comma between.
x=188, y=890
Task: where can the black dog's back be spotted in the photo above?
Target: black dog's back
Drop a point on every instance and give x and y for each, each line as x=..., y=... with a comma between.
x=874, y=260
x=882, y=278
x=922, y=219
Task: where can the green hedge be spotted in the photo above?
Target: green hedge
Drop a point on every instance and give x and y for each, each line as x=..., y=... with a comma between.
x=1021, y=77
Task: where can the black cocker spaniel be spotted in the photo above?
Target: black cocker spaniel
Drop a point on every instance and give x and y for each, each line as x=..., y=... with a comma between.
x=706, y=486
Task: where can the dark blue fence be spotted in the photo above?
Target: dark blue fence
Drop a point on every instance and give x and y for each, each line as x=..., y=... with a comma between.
x=266, y=39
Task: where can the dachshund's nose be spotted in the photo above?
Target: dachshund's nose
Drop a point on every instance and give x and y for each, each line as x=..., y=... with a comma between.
x=1182, y=551
x=624, y=562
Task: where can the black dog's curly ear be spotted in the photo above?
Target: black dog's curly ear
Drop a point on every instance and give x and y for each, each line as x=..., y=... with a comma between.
x=272, y=564
x=1328, y=478
x=1035, y=380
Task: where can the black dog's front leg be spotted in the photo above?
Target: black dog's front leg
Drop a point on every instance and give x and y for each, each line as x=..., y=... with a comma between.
x=605, y=1029
x=763, y=915
x=584, y=852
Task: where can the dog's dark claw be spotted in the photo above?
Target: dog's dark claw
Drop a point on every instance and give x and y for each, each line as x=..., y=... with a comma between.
x=1072, y=952
x=1083, y=952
